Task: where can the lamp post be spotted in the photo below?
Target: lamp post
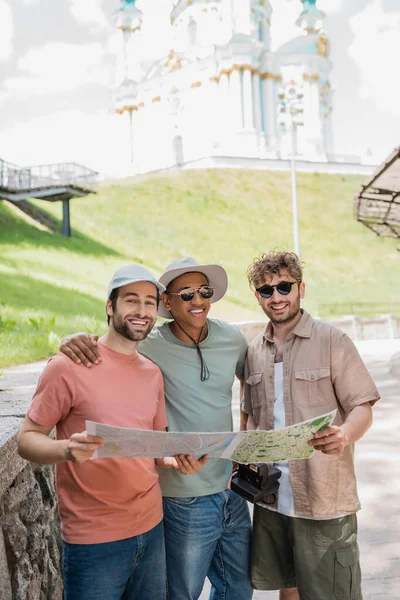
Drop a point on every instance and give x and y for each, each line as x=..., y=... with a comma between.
x=290, y=111
x=175, y=107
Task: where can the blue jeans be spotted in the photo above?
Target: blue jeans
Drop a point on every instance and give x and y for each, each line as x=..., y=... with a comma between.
x=208, y=536
x=131, y=569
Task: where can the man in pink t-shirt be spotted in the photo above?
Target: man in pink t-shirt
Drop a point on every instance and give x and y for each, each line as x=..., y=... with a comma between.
x=111, y=509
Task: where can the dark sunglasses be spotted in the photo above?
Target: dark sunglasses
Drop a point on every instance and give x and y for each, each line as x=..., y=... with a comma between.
x=205, y=291
x=283, y=287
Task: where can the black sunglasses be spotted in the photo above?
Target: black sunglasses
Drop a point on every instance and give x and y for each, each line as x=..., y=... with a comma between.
x=205, y=291
x=283, y=287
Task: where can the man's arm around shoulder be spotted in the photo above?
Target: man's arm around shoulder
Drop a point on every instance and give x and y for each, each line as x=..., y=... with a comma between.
x=82, y=348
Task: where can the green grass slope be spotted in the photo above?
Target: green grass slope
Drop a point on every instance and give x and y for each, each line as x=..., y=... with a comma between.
x=51, y=285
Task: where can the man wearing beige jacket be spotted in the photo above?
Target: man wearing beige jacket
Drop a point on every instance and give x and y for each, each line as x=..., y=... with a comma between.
x=305, y=543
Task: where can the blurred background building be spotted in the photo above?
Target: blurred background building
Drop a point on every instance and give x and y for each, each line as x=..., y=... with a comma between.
x=221, y=91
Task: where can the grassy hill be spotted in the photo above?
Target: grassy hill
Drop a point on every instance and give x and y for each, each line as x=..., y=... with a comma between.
x=51, y=285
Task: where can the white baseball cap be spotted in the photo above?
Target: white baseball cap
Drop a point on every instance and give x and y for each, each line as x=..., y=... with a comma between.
x=132, y=274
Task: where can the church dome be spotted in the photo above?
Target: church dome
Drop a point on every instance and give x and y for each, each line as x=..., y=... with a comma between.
x=302, y=44
x=313, y=40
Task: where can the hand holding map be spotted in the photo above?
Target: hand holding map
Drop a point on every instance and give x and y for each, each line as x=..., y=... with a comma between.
x=242, y=447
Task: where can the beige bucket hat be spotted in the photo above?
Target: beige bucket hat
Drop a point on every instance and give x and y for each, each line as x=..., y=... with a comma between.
x=216, y=275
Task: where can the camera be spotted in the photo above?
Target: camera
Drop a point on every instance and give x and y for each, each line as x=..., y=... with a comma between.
x=256, y=481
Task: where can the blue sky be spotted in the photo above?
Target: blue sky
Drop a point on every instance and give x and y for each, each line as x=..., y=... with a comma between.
x=57, y=67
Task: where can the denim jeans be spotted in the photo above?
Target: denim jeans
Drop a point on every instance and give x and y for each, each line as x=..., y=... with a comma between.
x=131, y=569
x=208, y=536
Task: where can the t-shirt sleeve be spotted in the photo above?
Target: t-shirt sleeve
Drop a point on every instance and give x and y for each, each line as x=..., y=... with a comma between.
x=243, y=345
x=55, y=393
x=160, y=420
x=145, y=348
x=350, y=377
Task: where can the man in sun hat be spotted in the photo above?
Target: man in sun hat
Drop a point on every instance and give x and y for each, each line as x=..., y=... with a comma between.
x=111, y=509
x=207, y=527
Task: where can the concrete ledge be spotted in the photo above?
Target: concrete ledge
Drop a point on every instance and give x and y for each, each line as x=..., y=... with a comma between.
x=395, y=365
x=384, y=327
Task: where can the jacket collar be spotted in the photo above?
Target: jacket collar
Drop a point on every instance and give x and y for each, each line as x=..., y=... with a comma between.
x=302, y=329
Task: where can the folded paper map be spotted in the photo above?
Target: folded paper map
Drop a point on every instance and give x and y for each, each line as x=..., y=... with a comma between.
x=242, y=447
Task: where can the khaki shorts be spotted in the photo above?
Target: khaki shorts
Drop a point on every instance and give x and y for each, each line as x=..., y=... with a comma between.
x=320, y=558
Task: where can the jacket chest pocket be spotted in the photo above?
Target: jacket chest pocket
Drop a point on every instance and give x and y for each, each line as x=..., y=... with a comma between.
x=256, y=389
x=309, y=385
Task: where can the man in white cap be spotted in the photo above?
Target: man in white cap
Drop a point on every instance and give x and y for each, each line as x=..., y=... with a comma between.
x=207, y=526
x=111, y=509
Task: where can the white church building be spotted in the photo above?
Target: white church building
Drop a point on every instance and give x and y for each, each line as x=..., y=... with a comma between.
x=221, y=91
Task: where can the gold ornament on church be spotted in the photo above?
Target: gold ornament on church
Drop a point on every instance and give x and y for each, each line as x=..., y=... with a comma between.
x=173, y=62
x=323, y=45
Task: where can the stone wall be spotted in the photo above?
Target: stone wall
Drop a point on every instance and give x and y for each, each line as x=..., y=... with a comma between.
x=29, y=524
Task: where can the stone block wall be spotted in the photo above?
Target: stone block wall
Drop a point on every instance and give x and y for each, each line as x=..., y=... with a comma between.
x=29, y=524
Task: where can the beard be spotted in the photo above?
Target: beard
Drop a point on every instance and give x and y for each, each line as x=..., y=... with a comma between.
x=294, y=310
x=127, y=332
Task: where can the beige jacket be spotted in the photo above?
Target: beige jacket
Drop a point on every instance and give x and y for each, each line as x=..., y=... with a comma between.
x=322, y=370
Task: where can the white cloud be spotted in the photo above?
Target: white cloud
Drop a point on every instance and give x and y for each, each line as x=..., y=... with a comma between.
x=285, y=14
x=330, y=7
x=89, y=12
x=99, y=140
x=59, y=67
x=375, y=49
x=6, y=30
x=157, y=38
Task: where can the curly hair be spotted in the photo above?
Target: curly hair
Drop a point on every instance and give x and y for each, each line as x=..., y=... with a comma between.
x=274, y=263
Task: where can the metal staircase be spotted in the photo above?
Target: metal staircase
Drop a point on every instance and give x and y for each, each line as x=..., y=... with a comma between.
x=377, y=204
x=53, y=183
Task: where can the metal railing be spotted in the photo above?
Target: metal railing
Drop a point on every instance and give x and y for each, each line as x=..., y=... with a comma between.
x=18, y=179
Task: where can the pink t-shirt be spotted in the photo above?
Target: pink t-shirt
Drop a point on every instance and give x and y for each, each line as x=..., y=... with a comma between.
x=103, y=500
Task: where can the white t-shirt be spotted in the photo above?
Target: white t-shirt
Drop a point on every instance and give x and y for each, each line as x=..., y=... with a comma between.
x=285, y=496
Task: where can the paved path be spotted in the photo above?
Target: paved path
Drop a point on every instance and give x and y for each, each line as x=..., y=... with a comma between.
x=378, y=473
x=377, y=460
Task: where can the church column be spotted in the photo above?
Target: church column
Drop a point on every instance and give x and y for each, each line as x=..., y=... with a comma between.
x=327, y=127
x=315, y=129
x=266, y=32
x=257, y=101
x=224, y=100
x=269, y=107
x=235, y=92
x=247, y=98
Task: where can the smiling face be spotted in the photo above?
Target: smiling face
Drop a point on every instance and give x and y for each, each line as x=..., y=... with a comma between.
x=135, y=310
x=281, y=309
x=190, y=315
